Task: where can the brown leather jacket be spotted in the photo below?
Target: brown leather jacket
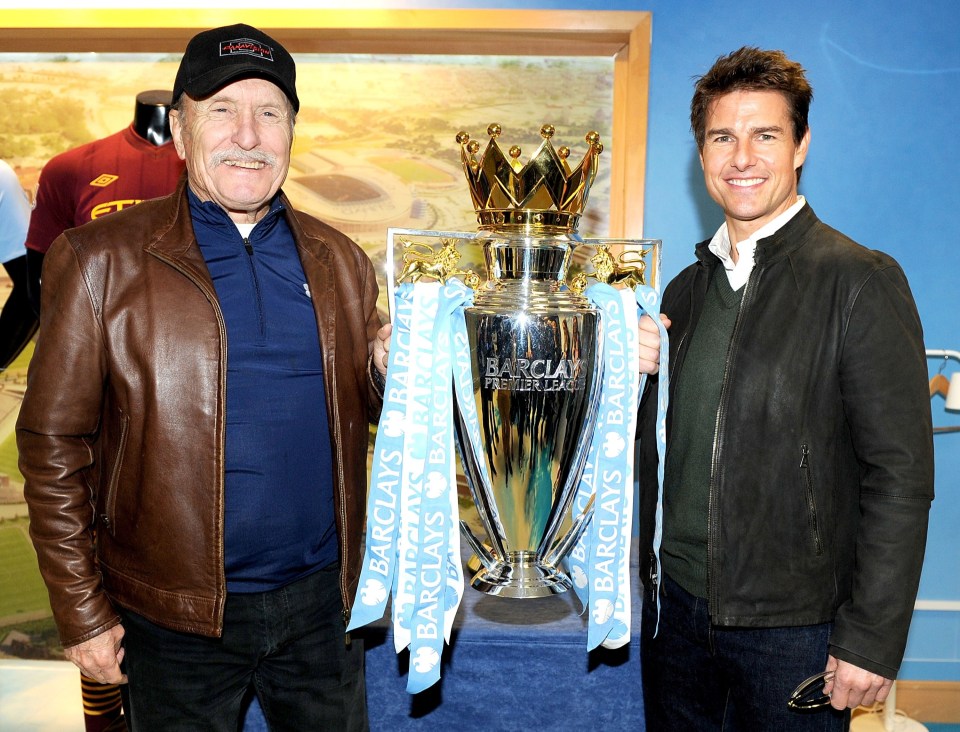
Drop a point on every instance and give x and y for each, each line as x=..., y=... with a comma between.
x=122, y=425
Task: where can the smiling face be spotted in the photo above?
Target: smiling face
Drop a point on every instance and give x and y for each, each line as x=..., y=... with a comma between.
x=750, y=159
x=236, y=144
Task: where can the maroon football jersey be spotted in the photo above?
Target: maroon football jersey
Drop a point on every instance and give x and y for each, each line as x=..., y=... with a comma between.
x=98, y=178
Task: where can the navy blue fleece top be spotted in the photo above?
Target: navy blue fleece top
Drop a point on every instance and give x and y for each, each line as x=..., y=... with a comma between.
x=279, y=518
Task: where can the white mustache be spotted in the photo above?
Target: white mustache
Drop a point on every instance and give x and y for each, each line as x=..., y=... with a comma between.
x=249, y=156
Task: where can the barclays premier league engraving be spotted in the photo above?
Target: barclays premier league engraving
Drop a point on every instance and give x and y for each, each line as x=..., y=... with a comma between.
x=534, y=378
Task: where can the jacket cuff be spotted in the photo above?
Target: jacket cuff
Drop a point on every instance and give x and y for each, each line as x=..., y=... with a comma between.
x=67, y=643
x=873, y=667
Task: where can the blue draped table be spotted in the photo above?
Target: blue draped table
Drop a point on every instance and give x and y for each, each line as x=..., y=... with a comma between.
x=511, y=665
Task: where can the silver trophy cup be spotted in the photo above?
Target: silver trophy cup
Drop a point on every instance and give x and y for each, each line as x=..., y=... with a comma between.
x=535, y=360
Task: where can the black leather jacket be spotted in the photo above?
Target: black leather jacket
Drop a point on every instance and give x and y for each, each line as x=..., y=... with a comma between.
x=822, y=473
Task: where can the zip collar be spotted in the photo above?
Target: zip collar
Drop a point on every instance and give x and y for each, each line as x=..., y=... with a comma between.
x=210, y=215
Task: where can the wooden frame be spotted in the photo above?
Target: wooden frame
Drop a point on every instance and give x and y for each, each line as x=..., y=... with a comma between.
x=624, y=36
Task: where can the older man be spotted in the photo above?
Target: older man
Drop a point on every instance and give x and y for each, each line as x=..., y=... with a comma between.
x=206, y=369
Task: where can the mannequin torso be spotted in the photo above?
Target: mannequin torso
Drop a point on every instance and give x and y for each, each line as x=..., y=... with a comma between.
x=103, y=176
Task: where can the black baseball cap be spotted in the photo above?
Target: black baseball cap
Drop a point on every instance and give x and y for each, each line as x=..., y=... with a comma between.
x=216, y=57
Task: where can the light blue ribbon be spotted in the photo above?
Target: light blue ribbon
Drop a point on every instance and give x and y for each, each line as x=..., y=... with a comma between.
x=599, y=562
x=649, y=301
x=419, y=351
x=379, y=566
x=434, y=597
x=412, y=538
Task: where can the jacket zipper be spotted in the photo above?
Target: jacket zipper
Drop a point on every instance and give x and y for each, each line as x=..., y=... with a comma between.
x=344, y=539
x=256, y=287
x=110, y=499
x=713, y=521
x=811, y=500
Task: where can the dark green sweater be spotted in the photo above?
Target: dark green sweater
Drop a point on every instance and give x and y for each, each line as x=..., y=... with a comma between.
x=696, y=401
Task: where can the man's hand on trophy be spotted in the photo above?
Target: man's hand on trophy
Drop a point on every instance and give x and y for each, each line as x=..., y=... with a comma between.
x=381, y=348
x=650, y=343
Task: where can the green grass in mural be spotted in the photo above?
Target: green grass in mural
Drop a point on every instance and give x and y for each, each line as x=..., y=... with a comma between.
x=8, y=458
x=21, y=588
x=8, y=447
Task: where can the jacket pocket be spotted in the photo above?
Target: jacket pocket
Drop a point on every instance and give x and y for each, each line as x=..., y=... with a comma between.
x=811, y=500
x=107, y=518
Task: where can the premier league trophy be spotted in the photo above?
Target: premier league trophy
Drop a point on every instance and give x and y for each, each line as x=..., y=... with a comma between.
x=535, y=379
x=534, y=346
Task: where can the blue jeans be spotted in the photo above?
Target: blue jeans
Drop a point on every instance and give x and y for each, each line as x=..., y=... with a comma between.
x=699, y=677
x=286, y=646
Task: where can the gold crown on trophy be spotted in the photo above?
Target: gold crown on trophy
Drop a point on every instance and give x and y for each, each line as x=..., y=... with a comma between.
x=544, y=193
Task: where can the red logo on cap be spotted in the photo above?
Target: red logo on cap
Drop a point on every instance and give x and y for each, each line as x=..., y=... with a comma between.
x=247, y=47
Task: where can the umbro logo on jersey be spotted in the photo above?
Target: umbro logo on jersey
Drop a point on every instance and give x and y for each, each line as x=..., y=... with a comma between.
x=102, y=181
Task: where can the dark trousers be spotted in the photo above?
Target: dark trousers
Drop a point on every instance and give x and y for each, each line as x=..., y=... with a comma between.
x=699, y=677
x=287, y=646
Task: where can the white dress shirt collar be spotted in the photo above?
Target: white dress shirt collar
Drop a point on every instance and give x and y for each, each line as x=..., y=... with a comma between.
x=739, y=272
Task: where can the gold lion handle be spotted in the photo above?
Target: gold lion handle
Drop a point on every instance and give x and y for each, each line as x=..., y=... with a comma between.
x=421, y=260
x=628, y=269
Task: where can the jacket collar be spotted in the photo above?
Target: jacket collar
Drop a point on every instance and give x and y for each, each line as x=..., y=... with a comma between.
x=173, y=239
x=212, y=214
x=781, y=243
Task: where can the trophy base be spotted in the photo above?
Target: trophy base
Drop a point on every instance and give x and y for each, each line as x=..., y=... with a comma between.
x=520, y=577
